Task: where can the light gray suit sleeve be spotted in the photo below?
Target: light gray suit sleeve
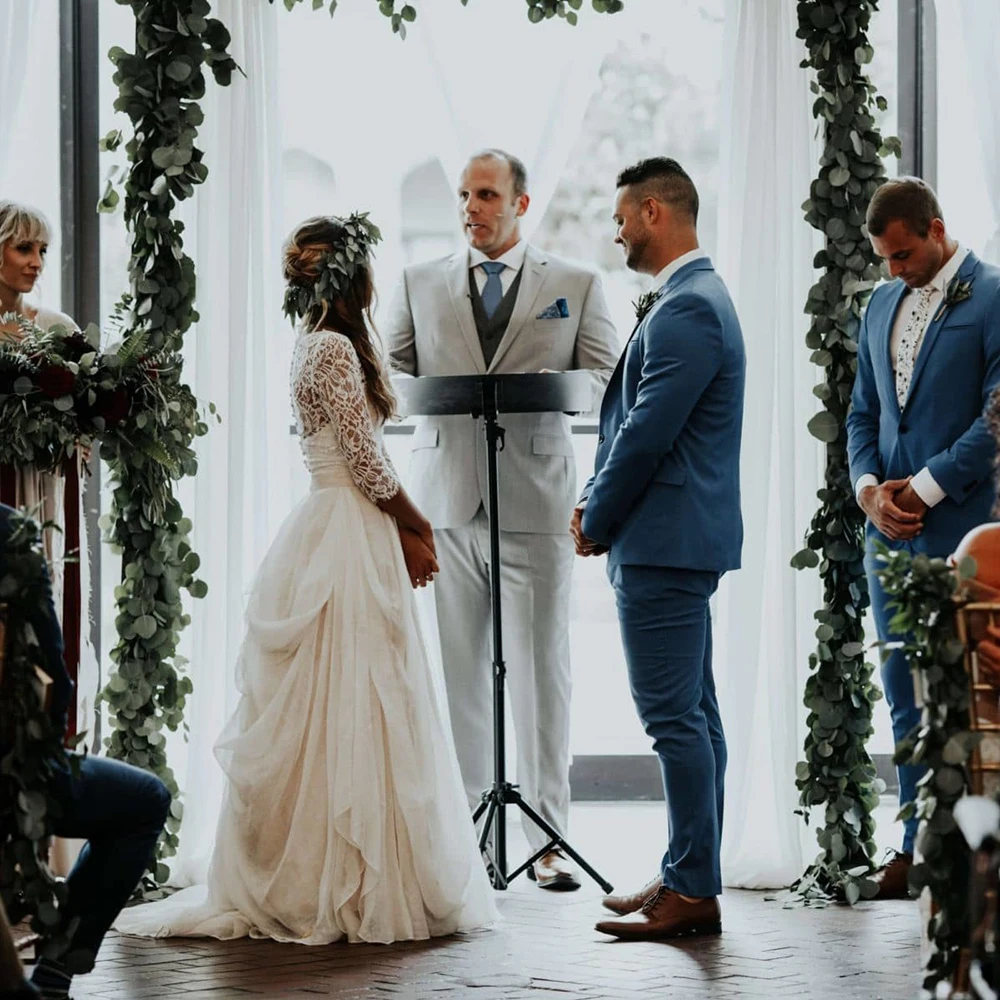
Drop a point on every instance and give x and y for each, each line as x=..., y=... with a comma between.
x=399, y=332
x=596, y=339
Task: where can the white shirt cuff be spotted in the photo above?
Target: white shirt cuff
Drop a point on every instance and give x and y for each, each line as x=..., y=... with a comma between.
x=926, y=487
x=868, y=479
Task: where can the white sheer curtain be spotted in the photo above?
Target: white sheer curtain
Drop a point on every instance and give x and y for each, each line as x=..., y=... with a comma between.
x=980, y=21
x=763, y=618
x=534, y=108
x=237, y=358
x=16, y=18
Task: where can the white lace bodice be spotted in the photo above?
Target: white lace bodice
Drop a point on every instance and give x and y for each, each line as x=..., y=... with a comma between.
x=337, y=427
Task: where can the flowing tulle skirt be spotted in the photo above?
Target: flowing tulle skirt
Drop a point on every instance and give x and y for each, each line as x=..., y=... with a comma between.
x=344, y=815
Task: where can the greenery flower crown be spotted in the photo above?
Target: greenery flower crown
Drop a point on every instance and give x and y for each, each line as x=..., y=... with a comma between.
x=338, y=267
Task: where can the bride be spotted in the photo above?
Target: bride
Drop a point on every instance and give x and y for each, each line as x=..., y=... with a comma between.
x=344, y=814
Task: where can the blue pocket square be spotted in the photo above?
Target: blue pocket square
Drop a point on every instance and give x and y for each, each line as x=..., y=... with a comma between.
x=558, y=310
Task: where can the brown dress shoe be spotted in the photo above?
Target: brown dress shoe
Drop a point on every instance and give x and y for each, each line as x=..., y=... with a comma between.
x=666, y=915
x=553, y=871
x=629, y=904
x=893, y=878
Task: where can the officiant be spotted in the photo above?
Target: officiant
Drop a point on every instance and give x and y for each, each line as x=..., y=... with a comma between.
x=502, y=305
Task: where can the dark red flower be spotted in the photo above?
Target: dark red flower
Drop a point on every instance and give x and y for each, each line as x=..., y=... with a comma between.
x=55, y=380
x=112, y=406
x=75, y=346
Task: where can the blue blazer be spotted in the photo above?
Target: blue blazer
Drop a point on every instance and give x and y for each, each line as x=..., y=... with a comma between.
x=49, y=635
x=941, y=425
x=666, y=483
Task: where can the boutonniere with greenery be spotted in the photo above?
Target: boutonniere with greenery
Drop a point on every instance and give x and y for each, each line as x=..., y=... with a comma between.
x=644, y=303
x=957, y=291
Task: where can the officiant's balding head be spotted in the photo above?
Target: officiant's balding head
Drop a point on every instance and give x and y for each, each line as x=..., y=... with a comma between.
x=492, y=197
x=656, y=213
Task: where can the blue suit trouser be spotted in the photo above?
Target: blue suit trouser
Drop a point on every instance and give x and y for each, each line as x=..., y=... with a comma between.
x=119, y=810
x=666, y=629
x=897, y=683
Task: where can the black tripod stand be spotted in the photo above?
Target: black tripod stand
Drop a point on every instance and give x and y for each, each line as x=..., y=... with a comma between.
x=488, y=396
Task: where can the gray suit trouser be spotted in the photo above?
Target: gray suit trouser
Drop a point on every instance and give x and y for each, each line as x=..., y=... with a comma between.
x=536, y=572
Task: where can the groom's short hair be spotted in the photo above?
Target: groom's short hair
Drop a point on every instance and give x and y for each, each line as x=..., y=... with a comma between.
x=904, y=199
x=662, y=178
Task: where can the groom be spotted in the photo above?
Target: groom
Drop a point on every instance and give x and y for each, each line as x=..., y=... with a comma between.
x=664, y=502
x=921, y=456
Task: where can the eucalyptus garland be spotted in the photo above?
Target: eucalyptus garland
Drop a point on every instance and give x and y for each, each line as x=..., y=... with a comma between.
x=924, y=592
x=31, y=749
x=838, y=772
x=159, y=85
x=401, y=14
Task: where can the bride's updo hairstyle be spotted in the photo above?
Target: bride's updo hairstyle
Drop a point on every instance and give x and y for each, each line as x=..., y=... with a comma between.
x=327, y=265
x=19, y=223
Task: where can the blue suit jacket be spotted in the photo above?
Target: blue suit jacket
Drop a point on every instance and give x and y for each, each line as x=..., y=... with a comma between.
x=941, y=425
x=666, y=483
x=49, y=635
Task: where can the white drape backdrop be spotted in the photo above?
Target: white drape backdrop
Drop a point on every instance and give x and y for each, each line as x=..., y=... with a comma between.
x=16, y=20
x=238, y=358
x=980, y=21
x=763, y=617
x=535, y=109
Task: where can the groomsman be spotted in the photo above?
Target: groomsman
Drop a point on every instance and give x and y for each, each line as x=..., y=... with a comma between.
x=921, y=456
x=502, y=305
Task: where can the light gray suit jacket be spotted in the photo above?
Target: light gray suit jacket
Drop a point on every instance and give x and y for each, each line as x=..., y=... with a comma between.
x=431, y=331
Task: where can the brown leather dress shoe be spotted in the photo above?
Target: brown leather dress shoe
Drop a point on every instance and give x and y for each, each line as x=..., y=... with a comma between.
x=893, y=878
x=629, y=904
x=553, y=871
x=666, y=915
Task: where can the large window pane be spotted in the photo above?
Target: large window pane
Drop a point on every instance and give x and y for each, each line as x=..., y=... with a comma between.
x=32, y=173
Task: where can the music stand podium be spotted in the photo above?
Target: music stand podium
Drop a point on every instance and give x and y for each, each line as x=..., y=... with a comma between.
x=488, y=396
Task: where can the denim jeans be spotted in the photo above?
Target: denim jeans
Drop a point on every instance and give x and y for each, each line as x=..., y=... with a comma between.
x=119, y=810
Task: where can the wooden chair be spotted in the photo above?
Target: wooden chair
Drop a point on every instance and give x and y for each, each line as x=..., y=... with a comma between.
x=978, y=626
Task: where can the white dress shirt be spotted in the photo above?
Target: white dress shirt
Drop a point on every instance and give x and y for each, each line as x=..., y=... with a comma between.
x=923, y=483
x=675, y=265
x=513, y=258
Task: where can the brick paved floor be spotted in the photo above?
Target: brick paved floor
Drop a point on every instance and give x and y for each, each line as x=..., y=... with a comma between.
x=546, y=949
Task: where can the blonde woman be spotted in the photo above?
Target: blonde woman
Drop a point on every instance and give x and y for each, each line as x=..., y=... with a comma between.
x=24, y=244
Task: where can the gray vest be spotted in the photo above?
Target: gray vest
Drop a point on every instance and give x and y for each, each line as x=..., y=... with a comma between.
x=492, y=329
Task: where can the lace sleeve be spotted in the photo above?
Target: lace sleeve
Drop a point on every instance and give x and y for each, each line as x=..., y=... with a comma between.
x=340, y=389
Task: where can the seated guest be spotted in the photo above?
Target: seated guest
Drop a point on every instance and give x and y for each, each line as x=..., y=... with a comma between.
x=118, y=809
x=13, y=985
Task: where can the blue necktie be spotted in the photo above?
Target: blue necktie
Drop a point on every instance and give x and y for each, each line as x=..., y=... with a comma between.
x=492, y=290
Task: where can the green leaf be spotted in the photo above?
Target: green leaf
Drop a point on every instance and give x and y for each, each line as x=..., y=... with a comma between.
x=805, y=559
x=824, y=426
x=179, y=70
x=145, y=626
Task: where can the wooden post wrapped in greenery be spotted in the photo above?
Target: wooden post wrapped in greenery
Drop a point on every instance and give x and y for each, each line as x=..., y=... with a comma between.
x=159, y=85
x=923, y=592
x=837, y=772
x=31, y=749
x=401, y=13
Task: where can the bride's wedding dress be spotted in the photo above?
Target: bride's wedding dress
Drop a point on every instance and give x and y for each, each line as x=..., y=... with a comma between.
x=344, y=815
